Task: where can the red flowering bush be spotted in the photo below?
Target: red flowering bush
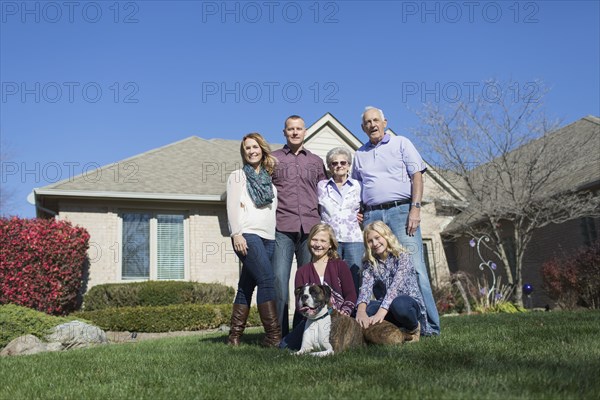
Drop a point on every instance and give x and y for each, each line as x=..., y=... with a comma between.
x=41, y=263
x=576, y=280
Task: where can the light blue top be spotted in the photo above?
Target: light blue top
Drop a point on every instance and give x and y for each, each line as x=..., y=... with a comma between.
x=385, y=169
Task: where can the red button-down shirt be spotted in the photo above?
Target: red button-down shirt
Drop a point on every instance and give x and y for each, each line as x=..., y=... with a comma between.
x=296, y=178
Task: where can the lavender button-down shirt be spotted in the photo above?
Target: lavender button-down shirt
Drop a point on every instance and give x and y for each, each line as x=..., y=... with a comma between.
x=296, y=178
x=385, y=169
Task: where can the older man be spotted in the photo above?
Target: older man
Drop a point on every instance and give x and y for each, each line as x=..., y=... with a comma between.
x=296, y=176
x=391, y=172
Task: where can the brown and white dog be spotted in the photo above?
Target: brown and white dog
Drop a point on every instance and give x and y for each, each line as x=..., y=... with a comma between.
x=326, y=331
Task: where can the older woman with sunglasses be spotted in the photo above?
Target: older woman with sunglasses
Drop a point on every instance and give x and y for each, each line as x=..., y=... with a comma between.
x=339, y=204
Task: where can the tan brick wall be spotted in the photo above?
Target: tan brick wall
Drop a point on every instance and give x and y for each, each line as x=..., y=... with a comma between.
x=210, y=256
x=432, y=225
x=101, y=223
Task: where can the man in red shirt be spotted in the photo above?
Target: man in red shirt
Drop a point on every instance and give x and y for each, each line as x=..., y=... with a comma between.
x=296, y=176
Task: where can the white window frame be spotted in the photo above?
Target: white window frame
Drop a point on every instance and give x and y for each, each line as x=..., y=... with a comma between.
x=153, y=275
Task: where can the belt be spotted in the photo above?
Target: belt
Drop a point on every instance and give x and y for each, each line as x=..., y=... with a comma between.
x=385, y=206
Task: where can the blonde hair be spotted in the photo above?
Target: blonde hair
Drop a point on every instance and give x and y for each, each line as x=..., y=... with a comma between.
x=268, y=162
x=393, y=246
x=322, y=227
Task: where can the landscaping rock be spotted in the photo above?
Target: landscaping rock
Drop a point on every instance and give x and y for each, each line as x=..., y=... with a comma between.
x=28, y=344
x=77, y=334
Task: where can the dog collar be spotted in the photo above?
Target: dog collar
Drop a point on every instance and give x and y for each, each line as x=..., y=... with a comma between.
x=329, y=311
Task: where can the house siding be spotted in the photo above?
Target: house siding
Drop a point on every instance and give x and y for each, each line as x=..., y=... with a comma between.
x=325, y=140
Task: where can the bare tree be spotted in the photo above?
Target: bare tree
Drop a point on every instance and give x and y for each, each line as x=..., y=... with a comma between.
x=517, y=172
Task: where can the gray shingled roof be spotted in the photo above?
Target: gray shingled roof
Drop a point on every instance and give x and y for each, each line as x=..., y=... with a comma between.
x=582, y=171
x=192, y=166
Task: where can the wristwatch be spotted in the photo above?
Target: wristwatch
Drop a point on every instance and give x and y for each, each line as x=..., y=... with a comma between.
x=415, y=205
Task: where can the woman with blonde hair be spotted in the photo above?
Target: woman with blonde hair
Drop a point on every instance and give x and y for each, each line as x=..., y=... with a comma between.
x=389, y=276
x=328, y=269
x=251, y=206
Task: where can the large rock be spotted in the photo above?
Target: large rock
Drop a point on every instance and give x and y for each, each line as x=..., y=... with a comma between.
x=28, y=344
x=77, y=334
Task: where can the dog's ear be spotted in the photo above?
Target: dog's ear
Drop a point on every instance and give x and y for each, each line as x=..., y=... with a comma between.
x=327, y=291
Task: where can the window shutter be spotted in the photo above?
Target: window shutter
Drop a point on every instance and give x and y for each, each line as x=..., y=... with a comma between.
x=170, y=247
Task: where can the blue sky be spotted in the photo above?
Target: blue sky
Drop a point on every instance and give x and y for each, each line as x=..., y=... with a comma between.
x=85, y=84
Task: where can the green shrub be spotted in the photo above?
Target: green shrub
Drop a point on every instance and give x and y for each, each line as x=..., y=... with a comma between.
x=156, y=293
x=179, y=317
x=17, y=321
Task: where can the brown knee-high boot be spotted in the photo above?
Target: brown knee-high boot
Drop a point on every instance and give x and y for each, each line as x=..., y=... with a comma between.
x=268, y=317
x=239, y=316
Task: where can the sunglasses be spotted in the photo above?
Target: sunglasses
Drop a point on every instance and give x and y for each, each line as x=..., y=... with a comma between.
x=335, y=163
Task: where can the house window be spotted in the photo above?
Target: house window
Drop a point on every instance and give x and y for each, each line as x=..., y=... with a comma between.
x=153, y=246
x=136, y=246
x=588, y=229
x=170, y=257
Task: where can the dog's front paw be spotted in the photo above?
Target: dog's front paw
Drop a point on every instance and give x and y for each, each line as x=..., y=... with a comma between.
x=323, y=353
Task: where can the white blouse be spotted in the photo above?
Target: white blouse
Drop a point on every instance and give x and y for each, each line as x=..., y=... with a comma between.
x=242, y=214
x=340, y=209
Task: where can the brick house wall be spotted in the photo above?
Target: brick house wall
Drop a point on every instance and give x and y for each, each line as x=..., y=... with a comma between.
x=209, y=254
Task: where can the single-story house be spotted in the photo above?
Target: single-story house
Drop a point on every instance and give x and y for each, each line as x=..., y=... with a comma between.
x=161, y=214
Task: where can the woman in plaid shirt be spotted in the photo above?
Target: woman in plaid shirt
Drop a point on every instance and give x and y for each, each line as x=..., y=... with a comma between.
x=390, y=277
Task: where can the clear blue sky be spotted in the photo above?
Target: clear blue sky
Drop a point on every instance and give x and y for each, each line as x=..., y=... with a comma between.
x=86, y=84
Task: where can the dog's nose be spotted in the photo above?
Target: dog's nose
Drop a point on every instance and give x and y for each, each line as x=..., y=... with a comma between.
x=304, y=297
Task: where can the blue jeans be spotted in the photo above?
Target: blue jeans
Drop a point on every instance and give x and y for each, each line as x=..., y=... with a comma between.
x=352, y=253
x=403, y=312
x=256, y=271
x=396, y=218
x=287, y=244
x=293, y=340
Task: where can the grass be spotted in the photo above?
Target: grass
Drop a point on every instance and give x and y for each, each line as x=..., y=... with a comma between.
x=539, y=355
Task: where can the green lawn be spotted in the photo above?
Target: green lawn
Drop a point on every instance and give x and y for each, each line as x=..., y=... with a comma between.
x=554, y=355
